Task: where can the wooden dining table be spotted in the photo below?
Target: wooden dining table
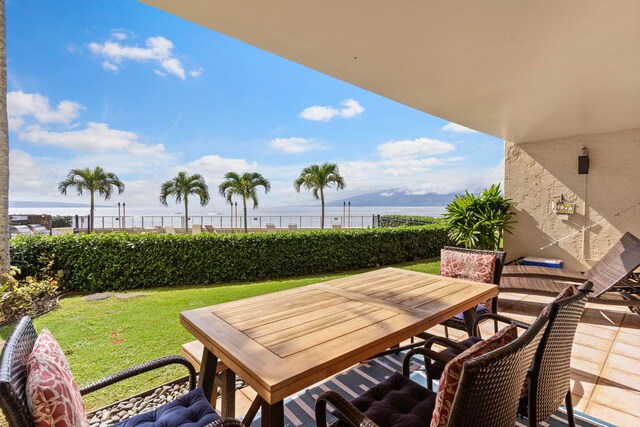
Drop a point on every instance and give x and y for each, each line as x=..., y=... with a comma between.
x=284, y=342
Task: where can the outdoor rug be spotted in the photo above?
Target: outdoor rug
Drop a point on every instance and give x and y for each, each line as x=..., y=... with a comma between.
x=299, y=409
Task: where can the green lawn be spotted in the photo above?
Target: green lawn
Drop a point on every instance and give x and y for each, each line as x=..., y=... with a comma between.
x=103, y=337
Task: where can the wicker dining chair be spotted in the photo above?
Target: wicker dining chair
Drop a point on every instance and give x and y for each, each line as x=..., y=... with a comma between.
x=457, y=322
x=488, y=393
x=548, y=377
x=13, y=381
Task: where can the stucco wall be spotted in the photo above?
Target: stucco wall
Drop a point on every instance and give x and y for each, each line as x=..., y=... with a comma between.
x=538, y=172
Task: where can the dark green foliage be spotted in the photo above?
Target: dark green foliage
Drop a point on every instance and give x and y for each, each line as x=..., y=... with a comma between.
x=61, y=221
x=99, y=262
x=400, y=220
x=480, y=221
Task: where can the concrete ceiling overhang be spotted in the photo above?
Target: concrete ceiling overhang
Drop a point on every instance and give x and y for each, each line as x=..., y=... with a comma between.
x=520, y=70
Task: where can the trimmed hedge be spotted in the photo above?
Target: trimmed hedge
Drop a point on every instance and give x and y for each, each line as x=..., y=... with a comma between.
x=100, y=262
x=402, y=220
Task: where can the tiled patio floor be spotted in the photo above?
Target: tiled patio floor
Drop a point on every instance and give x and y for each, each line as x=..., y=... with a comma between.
x=605, y=365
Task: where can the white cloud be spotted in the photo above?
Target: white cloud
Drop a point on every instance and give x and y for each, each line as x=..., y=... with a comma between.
x=25, y=174
x=319, y=113
x=15, y=123
x=387, y=194
x=158, y=50
x=95, y=137
x=215, y=166
x=413, y=148
x=110, y=66
x=293, y=145
x=120, y=34
x=33, y=120
x=456, y=128
x=22, y=105
x=350, y=108
x=196, y=72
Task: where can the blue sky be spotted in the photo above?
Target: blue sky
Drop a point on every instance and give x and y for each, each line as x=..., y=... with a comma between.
x=146, y=94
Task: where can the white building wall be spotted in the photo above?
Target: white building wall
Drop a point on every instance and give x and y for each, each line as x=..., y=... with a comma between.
x=607, y=199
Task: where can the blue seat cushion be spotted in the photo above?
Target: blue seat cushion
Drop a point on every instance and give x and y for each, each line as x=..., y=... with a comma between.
x=397, y=402
x=480, y=310
x=189, y=410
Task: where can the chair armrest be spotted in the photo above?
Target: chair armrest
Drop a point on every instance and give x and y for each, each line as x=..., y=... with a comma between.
x=426, y=352
x=342, y=405
x=499, y=318
x=444, y=342
x=226, y=422
x=140, y=369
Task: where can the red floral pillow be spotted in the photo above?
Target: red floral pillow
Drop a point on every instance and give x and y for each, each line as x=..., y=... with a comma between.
x=453, y=370
x=467, y=265
x=52, y=394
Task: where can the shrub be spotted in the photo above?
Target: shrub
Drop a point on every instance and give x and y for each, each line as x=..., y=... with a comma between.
x=402, y=220
x=58, y=221
x=480, y=221
x=98, y=262
x=31, y=295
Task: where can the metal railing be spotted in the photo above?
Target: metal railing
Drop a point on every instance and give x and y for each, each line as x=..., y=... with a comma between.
x=283, y=222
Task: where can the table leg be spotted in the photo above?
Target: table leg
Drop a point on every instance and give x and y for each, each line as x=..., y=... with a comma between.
x=272, y=415
x=469, y=320
x=253, y=410
x=228, y=387
x=207, y=376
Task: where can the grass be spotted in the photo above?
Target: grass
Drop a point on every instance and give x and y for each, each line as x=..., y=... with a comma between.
x=103, y=337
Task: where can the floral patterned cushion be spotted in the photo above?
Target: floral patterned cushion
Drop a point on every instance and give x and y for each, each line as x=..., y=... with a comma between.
x=467, y=265
x=451, y=375
x=470, y=266
x=52, y=393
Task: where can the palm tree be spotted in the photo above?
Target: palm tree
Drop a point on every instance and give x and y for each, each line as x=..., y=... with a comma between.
x=4, y=148
x=317, y=178
x=245, y=186
x=92, y=180
x=183, y=186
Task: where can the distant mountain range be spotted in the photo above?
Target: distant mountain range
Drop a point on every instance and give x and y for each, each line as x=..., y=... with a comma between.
x=30, y=204
x=396, y=198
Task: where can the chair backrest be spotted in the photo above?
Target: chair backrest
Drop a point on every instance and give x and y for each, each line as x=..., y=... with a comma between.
x=13, y=374
x=196, y=229
x=489, y=389
x=550, y=370
x=500, y=257
x=293, y=226
x=170, y=230
x=619, y=262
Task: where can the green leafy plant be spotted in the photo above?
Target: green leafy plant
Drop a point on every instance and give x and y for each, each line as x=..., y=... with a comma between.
x=480, y=221
x=58, y=221
x=31, y=294
x=99, y=262
x=400, y=220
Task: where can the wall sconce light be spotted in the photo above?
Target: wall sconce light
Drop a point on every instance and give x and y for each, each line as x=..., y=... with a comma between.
x=583, y=162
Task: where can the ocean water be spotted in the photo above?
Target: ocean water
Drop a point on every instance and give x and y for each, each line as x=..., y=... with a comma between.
x=303, y=216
